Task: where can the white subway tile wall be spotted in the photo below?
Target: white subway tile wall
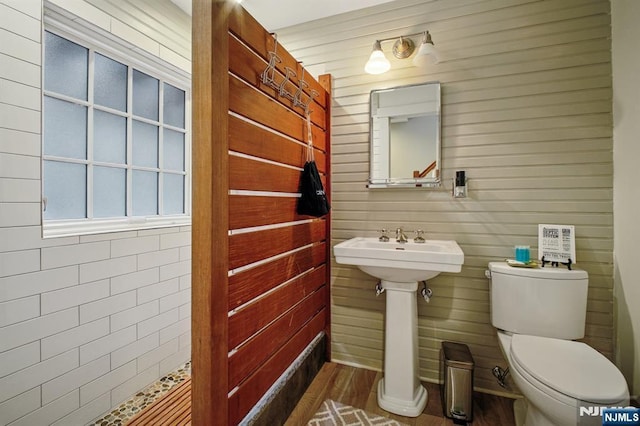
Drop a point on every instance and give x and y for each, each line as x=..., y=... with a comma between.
x=74, y=337
x=85, y=322
x=21, y=357
x=19, y=406
x=61, y=385
x=19, y=310
x=115, y=377
x=54, y=410
x=86, y=413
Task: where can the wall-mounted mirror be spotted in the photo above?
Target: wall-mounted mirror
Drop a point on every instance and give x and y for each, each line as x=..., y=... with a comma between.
x=405, y=136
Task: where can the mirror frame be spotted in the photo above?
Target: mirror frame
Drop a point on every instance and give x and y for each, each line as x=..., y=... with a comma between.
x=408, y=182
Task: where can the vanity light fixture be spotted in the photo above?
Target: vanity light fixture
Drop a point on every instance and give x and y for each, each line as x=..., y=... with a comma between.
x=402, y=49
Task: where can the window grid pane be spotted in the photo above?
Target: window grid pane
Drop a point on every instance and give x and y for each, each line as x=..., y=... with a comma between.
x=151, y=179
x=109, y=138
x=145, y=95
x=65, y=129
x=145, y=193
x=173, y=150
x=65, y=189
x=173, y=106
x=173, y=194
x=63, y=58
x=109, y=192
x=145, y=144
x=110, y=83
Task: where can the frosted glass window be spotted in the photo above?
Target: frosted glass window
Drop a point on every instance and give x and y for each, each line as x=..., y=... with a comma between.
x=109, y=138
x=65, y=129
x=65, y=67
x=110, y=83
x=145, y=144
x=65, y=188
x=145, y=193
x=173, y=106
x=114, y=136
x=109, y=192
x=146, y=98
x=173, y=157
x=173, y=194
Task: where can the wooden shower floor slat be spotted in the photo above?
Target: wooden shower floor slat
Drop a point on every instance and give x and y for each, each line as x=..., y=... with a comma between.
x=172, y=409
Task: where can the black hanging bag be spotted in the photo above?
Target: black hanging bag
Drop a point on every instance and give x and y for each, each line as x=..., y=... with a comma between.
x=313, y=201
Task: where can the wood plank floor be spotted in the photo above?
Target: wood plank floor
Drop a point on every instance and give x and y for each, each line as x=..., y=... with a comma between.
x=349, y=385
x=358, y=387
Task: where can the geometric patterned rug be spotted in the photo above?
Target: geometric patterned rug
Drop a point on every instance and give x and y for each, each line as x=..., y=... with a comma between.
x=332, y=413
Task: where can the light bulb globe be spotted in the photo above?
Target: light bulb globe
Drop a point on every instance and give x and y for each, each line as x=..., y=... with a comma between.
x=427, y=55
x=377, y=63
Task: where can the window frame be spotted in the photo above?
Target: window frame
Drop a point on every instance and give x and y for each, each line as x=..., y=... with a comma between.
x=97, y=41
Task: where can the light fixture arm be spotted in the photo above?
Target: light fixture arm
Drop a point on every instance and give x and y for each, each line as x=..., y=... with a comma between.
x=424, y=33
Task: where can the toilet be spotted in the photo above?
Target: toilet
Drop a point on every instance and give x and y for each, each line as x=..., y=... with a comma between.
x=538, y=312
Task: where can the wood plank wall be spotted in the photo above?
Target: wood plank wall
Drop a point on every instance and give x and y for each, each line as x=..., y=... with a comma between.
x=526, y=111
x=260, y=273
x=155, y=26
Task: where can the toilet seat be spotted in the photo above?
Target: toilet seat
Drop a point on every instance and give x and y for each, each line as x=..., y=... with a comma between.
x=570, y=368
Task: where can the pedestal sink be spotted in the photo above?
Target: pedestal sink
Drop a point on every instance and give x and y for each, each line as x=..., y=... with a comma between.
x=400, y=266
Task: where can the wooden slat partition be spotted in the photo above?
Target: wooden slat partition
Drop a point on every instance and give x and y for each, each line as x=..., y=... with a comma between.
x=251, y=320
x=247, y=29
x=252, y=175
x=249, y=284
x=263, y=210
x=256, y=316
x=259, y=349
x=249, y=139
x=244, y=63
x=251, y=247
x=243, y=399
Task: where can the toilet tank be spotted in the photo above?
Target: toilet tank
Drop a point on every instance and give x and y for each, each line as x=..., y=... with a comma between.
x=548, y=302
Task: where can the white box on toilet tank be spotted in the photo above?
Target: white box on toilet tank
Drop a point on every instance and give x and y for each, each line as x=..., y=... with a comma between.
x=548, y=302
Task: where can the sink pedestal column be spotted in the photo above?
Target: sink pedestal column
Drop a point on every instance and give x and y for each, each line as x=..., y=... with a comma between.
x=400, y=391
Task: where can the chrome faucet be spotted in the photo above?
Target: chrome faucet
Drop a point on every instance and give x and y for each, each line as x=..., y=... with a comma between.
x=400, y=236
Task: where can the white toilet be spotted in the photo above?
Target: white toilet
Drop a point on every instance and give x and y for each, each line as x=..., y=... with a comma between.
x=538, y=312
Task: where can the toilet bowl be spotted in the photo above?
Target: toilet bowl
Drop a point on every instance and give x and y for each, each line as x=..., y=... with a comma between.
x=557, y=377
x=539, y=313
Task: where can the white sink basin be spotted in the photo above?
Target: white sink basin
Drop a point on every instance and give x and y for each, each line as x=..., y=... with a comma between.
x=400, y=262
x=400, y=266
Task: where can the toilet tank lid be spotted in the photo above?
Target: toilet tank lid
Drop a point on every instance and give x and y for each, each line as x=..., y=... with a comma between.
x=548, y=272
x=572, y=368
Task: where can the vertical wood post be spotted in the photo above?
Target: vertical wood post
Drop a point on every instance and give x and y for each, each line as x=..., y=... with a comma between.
x=326, y=83
x=210, y=212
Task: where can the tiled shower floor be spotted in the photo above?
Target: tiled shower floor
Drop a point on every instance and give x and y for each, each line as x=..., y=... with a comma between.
x=125, y=411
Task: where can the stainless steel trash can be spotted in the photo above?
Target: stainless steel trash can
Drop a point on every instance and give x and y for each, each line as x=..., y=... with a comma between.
x=457, y=390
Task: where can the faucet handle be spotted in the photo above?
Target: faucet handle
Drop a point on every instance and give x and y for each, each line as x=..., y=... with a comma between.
x=419, y=238
x=384, y=237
